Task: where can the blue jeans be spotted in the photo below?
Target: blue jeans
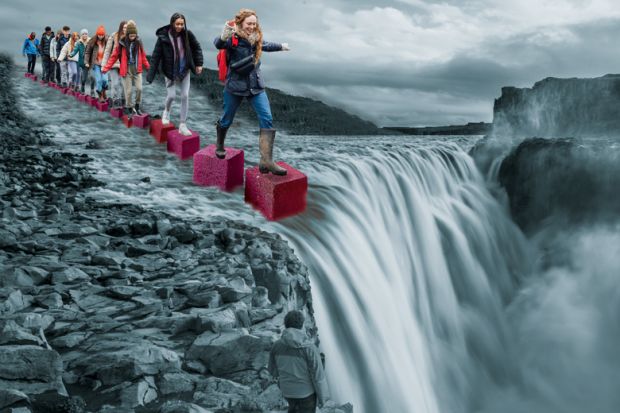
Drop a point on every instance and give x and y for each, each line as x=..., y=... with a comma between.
x=260, y=104
x=100, y=78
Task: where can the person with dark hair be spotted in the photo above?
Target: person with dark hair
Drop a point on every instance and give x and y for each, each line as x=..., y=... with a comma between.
x=295, y=362
x=55, y=71
x=116, y=84
x=31, y=49
x=44, y=51
x=63, y=65
x=178, y=52
x=130, y=51
x=243, y=41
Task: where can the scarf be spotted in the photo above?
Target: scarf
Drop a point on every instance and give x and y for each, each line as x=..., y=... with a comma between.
x=178, y=46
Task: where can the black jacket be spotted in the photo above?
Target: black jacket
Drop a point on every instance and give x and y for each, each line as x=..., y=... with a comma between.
x=44, y=44
x=164, y=53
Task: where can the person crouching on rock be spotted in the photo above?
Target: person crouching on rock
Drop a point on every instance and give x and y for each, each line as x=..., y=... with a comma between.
x=178, y=52
x=295, y=362
x=243, y=41
x=94, y=62
x=31, y=50
x=131, y=53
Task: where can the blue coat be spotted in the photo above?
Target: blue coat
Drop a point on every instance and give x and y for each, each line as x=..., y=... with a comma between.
x=247, y=80
x=31, y=47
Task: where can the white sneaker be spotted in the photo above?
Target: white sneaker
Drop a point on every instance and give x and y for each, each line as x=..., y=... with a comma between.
x=165, y=117
x=183, y=130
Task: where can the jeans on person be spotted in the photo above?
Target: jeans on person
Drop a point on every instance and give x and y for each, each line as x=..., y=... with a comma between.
x=132, y=80
x=57, y=72
x=64, y=72
x=32, y=61
x=83, y=78
x=47, y=68
x=101, y=79
x=171, y=94
x=116, y=84
x=74, y=73
x=305, y=405
x=260, y=104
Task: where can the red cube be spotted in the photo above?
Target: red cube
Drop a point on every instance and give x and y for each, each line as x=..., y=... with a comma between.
x=276, y=197
x=141, y=121
x=43, y=82
x=28, y=75
x=102, y=106
x=116, y=113
x=225, y=174
x=34, y=77
x=160, y=131
x=64, y=90
x=183, y=146
x=127, y=121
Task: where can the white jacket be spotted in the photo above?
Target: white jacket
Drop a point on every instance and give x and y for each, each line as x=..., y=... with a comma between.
x=65, y=54
x=53, y=48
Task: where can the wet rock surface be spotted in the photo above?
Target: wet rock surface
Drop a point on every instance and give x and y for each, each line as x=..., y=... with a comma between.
x=114, y=308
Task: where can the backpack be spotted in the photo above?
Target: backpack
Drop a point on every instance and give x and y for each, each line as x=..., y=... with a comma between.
x=222, y=60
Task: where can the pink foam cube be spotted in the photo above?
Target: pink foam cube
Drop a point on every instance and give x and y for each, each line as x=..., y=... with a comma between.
x=160, y=131
x=183, y=146
x=127, y=121
x=102, y=107
x=34, y=77
x=116, y=112
x=28, y=75
x=225, y=174
x=276, y=197
x=43, y=82
x=141, y=121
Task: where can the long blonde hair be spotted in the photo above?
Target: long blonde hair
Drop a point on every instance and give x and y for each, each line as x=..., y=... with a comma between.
x=74, y=38
x=239, y=18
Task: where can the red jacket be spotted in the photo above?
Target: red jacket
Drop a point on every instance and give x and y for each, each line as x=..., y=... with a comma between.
x=121, y=49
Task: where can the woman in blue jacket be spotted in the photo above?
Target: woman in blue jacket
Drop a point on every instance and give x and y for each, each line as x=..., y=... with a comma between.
x=31, y=49
x=243, y=41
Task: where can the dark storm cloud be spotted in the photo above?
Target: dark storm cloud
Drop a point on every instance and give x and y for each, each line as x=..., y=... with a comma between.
x=409, y=62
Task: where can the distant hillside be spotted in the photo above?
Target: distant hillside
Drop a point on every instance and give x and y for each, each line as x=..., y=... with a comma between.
x=297, y=115
x=478, y=128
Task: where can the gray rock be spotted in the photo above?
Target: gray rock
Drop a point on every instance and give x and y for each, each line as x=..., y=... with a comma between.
x=139, y=394
x=30, y=369
x=178, y=406
x=260, y=298
x=70, y=340
x=231, y=351
x=141, y=227
x=177, y=382
x=69, y=275
x=261, y=314
x=220, y=393
x=51, y=301
x=235, y=290
x=108, y=259
x=10, y=397
x=214, y=320
x=14, y=302
x=12, y=333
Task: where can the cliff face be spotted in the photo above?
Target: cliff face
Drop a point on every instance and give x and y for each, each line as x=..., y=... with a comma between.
x=560, y=108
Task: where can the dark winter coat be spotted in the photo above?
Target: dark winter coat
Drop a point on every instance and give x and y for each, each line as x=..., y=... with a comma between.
x=44, y=44
x=163, y=54
x=245, y=80
x=60, y=43
x=92, y=50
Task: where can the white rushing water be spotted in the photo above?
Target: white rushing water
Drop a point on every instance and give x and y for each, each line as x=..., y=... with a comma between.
x=423, y=287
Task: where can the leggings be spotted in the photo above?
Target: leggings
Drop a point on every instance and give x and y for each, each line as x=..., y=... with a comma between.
x=32, y=61
x=171, y=95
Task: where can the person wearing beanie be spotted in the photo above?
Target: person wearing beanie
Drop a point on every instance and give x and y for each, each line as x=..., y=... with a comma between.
x=44, y=51
x=178, y=52
x=66, y=54
x=94, y=62
x=80, y=51
x=116, y=84
x=133, y=59
x=63, y=65
x=31, y=50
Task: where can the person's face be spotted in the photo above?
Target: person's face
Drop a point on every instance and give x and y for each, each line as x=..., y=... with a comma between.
x=179, y=25
x=84, y=37
x=249, y=24
x=100, y=36
x=48, y=32
x=65, y=33
x=132, y=37
x=124, y=29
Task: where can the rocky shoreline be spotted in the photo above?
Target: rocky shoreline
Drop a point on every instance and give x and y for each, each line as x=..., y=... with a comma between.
x=114, y=308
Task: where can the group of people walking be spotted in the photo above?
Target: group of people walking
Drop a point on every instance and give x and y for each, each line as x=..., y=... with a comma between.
x=114, y=64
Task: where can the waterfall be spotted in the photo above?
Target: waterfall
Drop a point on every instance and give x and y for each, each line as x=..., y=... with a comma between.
x=412, y=262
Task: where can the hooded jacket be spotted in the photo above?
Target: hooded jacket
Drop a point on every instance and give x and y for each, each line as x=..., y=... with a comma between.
x=163, y=53
x=121, y=52
x=296, y=362
x=80, y=50
x=242, y=83
x=92, y=49
x=31, y=46
x=60, y=43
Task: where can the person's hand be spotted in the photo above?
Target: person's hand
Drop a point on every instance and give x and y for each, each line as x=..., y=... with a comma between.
x=329, y=404
x=231, y=23
x=198, y=70
x=285, y=47
x=87, y=65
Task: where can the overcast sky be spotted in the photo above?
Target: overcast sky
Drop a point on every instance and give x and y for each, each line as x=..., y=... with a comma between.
x=402, y=62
